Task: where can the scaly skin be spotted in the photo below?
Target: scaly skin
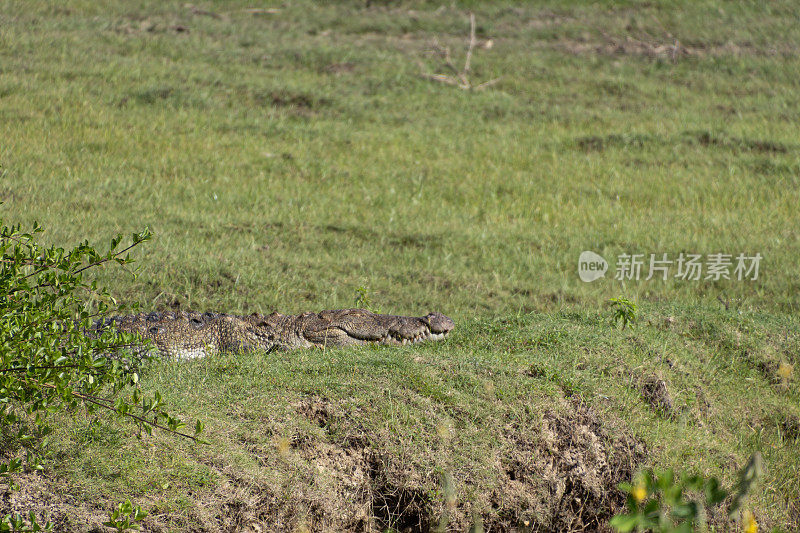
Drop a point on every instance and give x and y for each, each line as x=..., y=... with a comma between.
x=187, y=335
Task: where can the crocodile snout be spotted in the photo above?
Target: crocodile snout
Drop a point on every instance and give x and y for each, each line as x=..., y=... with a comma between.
x=439, y=323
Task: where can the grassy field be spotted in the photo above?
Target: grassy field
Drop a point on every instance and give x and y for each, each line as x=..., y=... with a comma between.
x=286, y=158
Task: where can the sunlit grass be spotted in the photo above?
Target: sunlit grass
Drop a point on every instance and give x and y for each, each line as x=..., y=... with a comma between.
x=285, y=160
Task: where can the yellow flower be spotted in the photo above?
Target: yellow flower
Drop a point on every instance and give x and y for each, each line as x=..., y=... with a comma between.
x=749, y=522
x=639, y=493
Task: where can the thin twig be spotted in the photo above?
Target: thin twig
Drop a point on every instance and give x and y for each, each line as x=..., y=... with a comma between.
x=136, y=417
x=197, y=11
x=444, y=51
x=460, y=78
x=260, y=10
x=442, y=78
x=26, y=368
x=471, y=42
x=486, y=84
x=107, y=259
x=90, y=265
x=96, y=400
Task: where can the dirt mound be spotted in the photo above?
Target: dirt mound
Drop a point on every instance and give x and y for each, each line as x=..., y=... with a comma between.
x=654, y=391
x=558, y=474
x=564, y=476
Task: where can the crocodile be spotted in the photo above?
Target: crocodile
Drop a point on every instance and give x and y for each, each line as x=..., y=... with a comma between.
x=186, y=335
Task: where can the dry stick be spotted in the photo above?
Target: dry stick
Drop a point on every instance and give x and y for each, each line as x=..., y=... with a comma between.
x=197, y=11
x=444, y=51
x=468, y=60
x=260, y=10
x=442, y=78
x=486, y=84
x=460, y=77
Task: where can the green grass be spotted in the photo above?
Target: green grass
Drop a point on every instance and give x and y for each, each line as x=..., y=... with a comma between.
x=284, y=160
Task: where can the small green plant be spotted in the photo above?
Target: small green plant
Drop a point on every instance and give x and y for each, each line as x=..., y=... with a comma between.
x=18, y=523
x=125, y=517
x=364, y=300
x=658, y=501
x=624, y=311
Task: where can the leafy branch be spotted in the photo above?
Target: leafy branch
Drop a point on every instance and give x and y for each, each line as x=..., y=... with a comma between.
x=659, y=501
x=51, y=359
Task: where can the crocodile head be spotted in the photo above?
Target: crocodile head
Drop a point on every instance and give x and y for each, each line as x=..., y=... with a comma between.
x=405, y=330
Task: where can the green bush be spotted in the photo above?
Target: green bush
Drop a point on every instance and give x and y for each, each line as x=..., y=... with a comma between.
x=48, y=362
x=662, y=503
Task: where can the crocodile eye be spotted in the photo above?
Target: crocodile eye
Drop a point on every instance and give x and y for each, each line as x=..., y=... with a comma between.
x=197, y=323
x=153, y=330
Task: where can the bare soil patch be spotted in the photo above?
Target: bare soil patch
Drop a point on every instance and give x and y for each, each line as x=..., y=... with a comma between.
x=565, y=476
x=52, y=500
x=654, y=391
x=561, y=474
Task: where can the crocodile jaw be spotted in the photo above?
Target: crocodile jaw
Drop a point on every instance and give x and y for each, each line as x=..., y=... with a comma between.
x=423, y=337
